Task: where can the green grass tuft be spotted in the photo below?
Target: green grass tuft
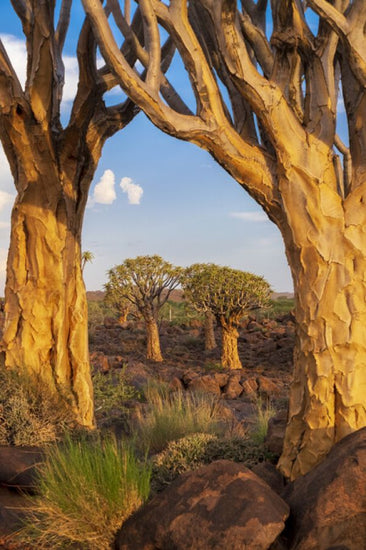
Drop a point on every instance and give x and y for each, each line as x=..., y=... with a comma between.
x=87, y=489
x=171, y=416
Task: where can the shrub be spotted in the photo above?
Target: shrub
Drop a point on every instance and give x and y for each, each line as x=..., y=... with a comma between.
x=111, y=391
x=170, y=417
x=29, y=413
x=194, y=450
x=87, y=489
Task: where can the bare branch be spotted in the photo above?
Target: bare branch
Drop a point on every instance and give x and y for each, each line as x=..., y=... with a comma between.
x=23, y=10
x=347, y=29
x=63, y=24
x=258, y=41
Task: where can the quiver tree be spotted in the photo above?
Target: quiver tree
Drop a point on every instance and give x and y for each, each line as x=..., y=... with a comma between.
x=53, y=166
x=267, y=99
x=229, y=295
x=86, y=257
x=146, y=282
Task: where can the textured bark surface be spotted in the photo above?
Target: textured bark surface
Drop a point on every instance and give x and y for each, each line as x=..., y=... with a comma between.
x=210, y=340
x=45, y=329
x=153, y=350
x=229, y=354
x=267, y=102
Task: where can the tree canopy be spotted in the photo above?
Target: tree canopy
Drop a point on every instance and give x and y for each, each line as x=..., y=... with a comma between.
x=228, y=293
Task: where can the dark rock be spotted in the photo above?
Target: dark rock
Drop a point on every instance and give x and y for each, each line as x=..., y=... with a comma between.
x=18, y=466
x=276, y=432
x=328, y=505
x=220, y=506
x=269, y=473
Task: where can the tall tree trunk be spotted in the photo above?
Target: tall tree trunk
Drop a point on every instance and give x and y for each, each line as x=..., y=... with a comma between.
x=229, y=353
x=210, y=340
x=153, y=350
x=45, y=329
x=328, y=393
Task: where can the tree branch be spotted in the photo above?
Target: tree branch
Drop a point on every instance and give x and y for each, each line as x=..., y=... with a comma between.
x=347, y=29
x=63, y=24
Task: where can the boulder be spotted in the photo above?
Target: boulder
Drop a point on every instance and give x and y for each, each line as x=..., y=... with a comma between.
x=328, y=504
x=205, y=383
x=233, y=389
x=268, y=386
x=18, y=466
x=222, y=505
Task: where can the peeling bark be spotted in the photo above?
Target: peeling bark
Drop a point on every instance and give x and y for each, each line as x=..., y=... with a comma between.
x=210, y=340
x=153, y=350
x=45, y=329
x=229, y=354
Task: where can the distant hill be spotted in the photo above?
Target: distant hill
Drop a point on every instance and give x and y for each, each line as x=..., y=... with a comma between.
x=95, y=295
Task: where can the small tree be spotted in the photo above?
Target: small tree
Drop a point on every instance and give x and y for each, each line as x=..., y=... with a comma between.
x=86, y=257
x=228, y=294
x=146, y=282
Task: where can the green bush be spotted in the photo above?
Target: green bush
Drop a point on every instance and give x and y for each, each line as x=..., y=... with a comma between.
x=112, y=391
x=87, y=489
x=29, y=413
x=194, y=450
x=172, y=416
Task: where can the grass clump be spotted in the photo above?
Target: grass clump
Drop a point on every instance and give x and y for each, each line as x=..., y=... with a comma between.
x=169, y=417
x=264, y=412
x=87, y=489
x=29, y=413
x=195, y=450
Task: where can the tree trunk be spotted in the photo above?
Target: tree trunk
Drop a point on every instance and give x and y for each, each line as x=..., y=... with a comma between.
x=229, y=354
x=328, y=393
x=210, y=340
x=153, y=350
x=45, y=329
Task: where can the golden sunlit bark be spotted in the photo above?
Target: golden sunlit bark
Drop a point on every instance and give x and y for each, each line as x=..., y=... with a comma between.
x=45, y=330
x=229, y=353
x=153, y=351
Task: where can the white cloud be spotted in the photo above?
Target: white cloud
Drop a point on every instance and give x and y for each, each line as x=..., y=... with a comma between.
x=3, y=258
x=104, y=192
x=5, y=199
x=17, y=53
x=250, y=216
x=133, y=190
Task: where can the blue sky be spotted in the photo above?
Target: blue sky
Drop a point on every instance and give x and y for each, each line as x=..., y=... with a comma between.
x=185, y=207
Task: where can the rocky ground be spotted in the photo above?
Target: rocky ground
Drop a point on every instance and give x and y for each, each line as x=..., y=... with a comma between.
x=265, y=349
